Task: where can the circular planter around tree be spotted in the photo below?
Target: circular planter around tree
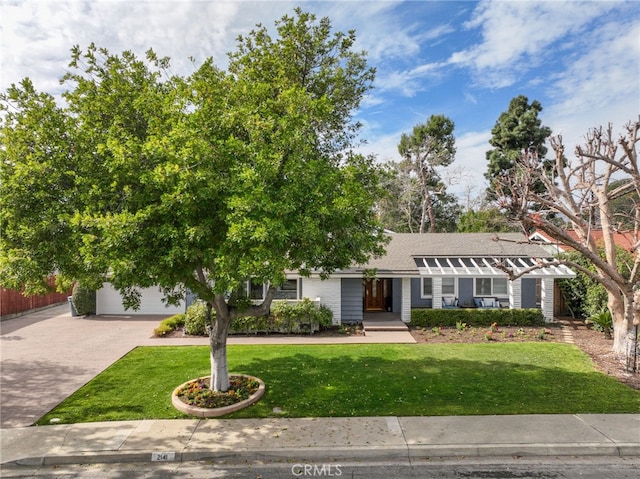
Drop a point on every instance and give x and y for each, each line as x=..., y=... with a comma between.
x=185, y=408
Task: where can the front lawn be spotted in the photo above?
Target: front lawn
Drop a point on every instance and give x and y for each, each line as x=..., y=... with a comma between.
x=362, y=380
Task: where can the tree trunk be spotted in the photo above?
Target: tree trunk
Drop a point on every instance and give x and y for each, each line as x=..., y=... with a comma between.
x=218, y=350
x=220, y=330
x=622, y=312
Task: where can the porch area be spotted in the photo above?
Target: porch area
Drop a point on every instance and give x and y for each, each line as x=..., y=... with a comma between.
x=382, y=321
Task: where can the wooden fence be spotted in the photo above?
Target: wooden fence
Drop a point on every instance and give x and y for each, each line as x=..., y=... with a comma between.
x=14, y=302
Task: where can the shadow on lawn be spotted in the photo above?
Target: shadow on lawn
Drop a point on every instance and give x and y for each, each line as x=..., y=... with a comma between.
x=301, y=385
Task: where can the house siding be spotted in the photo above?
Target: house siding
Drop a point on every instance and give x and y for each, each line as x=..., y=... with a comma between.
x=351, y=291
x=109, y=301
x=396, y=290
x=465, y=291
x=547, y=298
x=529, y=293
x=328, y=291
x=515, y=293
x=405, y=312
x=416, y=300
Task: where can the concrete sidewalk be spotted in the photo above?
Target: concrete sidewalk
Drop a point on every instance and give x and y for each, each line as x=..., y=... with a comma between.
x=375, y=439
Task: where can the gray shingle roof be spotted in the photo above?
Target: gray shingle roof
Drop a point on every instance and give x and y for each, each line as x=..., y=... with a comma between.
x=404, y=247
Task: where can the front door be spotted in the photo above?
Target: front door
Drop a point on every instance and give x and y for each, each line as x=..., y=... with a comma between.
x=374, y=294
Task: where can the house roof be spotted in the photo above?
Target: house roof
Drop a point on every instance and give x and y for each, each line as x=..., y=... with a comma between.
x=625, y=239
x=413, y=254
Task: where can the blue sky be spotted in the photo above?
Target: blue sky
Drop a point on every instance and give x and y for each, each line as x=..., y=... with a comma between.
x=466, y=60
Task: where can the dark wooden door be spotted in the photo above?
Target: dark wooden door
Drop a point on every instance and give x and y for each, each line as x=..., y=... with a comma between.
x=374, y=295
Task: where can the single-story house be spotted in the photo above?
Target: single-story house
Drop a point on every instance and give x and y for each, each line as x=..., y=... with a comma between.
x=431, y=270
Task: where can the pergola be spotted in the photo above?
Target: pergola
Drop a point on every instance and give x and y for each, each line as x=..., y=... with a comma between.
x=490, y=266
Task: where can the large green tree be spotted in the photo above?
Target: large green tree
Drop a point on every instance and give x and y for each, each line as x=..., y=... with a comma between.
x=429, y=148
x=517, y=131
x=193, y=183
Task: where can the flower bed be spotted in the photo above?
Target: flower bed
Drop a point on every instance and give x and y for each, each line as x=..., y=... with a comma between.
x=197, y=399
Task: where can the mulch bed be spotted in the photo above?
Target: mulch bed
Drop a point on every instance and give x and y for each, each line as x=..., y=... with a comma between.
x=593, y=343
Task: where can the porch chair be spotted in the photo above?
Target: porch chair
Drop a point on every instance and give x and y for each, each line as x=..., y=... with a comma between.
x=486, y=303
x=449, y=302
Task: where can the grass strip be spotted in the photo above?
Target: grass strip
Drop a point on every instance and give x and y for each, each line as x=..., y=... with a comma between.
x=362, y=380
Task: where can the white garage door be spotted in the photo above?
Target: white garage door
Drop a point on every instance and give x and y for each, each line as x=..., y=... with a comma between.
x=109, y=301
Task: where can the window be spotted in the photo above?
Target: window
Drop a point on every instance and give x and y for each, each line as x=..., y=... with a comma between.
x=500, y=287
x=287, y=290
x=427, y=287
x=256, y=290
x=491, y=287
x=448, y=286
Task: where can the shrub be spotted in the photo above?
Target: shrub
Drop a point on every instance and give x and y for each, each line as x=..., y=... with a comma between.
x=195, y=319
x=583, y=295
x=428, y=318
x=250, y=325
x=170, y=324
x=603, y=322
x=295, y=317
x=84, y=300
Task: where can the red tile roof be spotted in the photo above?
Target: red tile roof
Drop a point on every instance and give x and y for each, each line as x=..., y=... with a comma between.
x=624, y=239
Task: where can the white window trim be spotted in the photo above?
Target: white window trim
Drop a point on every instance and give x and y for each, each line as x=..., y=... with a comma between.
x=297, y=280
x=422, y=295
x=248, y=288
x=455, y=287
x=493, y=293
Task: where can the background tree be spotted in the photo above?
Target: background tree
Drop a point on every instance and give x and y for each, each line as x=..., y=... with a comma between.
x=518, y=131
x=198, y=183
x=429, y=148
x=486, y=220
x=573, y=190
x=625, y=207
x=399, y=208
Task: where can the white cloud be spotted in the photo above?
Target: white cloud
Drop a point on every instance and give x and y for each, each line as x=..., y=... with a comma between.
x=517, y=36
x=37, y=36
x=471, y=158
x=602, y=85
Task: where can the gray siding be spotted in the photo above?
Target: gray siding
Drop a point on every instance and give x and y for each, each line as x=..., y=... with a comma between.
x=352, y=294
x=416, y=300
x=396, y=290
x=465, y=291
x=529, y=293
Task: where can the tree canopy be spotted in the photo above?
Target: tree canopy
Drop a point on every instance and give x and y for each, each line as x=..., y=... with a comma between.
x=429, y=148
x=200, y=182
x=517, y=130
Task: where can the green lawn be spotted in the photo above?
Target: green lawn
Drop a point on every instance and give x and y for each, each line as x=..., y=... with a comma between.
x=363, y=380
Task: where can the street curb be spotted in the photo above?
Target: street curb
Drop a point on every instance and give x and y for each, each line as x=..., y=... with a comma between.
x=393, y=454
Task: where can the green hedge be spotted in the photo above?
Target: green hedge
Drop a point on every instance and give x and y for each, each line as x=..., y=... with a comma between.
x=429, y=318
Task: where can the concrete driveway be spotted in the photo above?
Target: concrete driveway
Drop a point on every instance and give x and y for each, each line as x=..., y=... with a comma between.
x=47, y=355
